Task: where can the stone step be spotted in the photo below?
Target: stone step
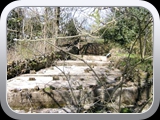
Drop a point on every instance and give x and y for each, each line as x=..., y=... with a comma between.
x=60, y=74
x=81, y=63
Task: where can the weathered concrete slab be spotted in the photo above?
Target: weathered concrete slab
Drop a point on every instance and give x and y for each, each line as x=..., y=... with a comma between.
x=93, y=57
x=58, y=80
x=92, y=62
x=55, y=86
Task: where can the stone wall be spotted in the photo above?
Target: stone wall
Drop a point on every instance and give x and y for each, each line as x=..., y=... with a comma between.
x=51, y=98
x=16, y=68
x=21, y=67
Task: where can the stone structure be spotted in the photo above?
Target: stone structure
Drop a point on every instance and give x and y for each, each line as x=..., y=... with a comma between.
x=73, y=83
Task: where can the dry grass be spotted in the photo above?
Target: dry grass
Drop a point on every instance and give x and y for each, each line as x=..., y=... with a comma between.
x=28, y=50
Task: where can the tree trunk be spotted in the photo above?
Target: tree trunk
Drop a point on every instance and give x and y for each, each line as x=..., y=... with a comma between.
x=56, y=22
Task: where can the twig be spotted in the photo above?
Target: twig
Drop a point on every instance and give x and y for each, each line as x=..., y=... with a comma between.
x=142, y=107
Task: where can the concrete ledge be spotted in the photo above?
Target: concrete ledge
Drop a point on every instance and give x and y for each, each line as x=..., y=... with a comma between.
x=93, y=57
x=81, y=63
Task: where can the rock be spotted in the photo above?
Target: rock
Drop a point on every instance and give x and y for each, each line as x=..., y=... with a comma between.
x=16, y=90
x=128, y=95
x=55, y=77
x=32, y=72
x=92, y=66
x=31, y=79
x=88, y=106
x=74, y=50
x=36, y=88
x=81, y=79
x=23, y=71
x=87, y=70
x=130, y=84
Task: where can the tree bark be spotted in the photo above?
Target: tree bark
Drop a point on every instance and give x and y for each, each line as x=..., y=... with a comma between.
x=56, y=22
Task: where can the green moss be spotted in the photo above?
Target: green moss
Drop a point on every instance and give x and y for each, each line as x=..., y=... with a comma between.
x=17, y=67
x=126, y=55
x=125, y=110
x=101, y=41
x=79, y=87
x=47, y=89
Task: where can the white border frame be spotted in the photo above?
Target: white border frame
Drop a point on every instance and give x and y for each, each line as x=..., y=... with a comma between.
x=72, y=3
